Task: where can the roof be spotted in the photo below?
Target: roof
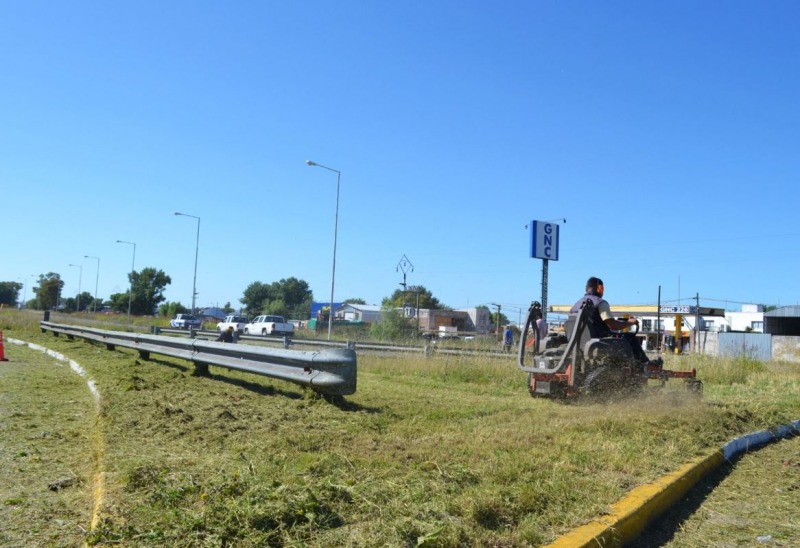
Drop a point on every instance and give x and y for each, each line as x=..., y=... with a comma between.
x=784, y=312
x=362, y=307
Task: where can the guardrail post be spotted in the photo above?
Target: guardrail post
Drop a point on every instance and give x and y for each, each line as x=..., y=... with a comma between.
x=155, y=330
x=201, y=370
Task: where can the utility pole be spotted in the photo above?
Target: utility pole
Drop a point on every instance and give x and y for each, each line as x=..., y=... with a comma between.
x=696, y=321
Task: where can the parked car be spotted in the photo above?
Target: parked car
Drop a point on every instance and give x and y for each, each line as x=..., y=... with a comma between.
x=238, y=323
x=269, y=325
x=185, y=321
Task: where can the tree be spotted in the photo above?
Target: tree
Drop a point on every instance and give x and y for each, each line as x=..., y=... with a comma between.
x=288, y=297
x=392, y=326
x=118, y=302
x=409, y=298
x=255, y=295
x=147, y=290
x=48, y=291
x=170, y=309
x=9, y=293
x=86, y=300
x=354, y=301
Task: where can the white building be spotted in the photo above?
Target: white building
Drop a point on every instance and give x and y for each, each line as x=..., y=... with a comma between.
x=367, y=313
x=750, y=318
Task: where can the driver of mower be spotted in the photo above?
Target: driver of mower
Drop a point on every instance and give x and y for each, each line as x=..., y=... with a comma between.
x=603, y=324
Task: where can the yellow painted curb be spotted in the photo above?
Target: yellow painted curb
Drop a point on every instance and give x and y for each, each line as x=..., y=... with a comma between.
x=630, y=516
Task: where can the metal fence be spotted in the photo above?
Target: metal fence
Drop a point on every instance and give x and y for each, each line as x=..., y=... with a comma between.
x=330, y=371
x=757, y=346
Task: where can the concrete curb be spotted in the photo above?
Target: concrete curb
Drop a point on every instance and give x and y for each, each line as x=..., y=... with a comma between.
x=630, y=516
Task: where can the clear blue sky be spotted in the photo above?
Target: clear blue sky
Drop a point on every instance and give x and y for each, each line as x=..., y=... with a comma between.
x=665, y=133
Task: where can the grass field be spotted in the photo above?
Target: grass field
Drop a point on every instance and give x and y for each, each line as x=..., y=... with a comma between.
x=443, y=451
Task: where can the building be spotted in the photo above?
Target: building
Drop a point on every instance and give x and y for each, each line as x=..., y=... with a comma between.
x=212, y=314
x=367, y=313
x=751, y=318
x=473, y=320
x=783, y=321
x=652, y=319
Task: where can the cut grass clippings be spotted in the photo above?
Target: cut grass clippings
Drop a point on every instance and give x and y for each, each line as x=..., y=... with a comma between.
x=444, y=451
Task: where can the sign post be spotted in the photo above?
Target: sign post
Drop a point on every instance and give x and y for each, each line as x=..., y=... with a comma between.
x=544, y=246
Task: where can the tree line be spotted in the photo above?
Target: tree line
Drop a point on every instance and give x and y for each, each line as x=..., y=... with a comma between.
x=288, y=297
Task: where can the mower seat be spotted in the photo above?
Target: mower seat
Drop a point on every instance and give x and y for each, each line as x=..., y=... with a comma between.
x=612, y=349
x=608, y=348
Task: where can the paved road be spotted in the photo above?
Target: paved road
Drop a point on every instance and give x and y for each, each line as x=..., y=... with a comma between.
x=754, y=501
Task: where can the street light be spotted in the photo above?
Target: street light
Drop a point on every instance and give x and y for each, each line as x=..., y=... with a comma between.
x=130, y=290
x=335, y=236
x=25, y=294
x=196, y=250
x=24, y=290
x=96, y=279
x=80, y=276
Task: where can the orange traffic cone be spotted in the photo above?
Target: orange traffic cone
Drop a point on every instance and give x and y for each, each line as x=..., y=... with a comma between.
x=2, y=352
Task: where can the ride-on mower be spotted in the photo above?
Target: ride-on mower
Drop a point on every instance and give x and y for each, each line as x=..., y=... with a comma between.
x=577, y=364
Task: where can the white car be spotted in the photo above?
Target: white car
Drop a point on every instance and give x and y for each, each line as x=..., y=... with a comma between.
x=186, y=321
x=269, y=325
x=237, y=322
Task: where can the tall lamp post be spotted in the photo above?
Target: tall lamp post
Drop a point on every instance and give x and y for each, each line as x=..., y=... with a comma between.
x=335, y=236
x=96, y=279
x=25, y=293
x=130, y=290
x=80, y=277
x=196, y=251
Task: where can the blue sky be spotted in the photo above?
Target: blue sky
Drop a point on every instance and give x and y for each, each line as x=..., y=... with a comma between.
x=665, y=133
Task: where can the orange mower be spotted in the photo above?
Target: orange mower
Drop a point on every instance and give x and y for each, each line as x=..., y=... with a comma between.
x=574, y=364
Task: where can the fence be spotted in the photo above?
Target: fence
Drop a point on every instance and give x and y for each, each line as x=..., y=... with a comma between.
x=330, y=371
x=757, y=346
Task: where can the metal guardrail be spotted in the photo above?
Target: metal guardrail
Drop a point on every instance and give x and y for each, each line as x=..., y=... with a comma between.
x=371, y=347
x=329, y=371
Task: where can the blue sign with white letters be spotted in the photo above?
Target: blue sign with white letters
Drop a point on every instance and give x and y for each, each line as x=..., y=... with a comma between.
x=544, y=240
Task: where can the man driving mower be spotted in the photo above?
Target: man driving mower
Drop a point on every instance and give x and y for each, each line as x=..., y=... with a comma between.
x=602, y=323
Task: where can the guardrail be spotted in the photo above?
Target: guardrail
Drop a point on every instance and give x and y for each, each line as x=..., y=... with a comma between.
x=371, y=347
x=329, y=371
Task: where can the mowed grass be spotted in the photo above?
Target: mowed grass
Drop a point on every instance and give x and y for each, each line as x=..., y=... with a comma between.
x=444, y=451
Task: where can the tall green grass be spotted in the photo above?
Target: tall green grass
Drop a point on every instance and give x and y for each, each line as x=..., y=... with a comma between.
x=443, y=451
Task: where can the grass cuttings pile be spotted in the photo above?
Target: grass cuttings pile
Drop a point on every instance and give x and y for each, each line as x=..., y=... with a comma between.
x=444, y=451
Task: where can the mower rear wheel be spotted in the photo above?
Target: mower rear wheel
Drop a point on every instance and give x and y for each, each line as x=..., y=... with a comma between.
x=603, y=379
